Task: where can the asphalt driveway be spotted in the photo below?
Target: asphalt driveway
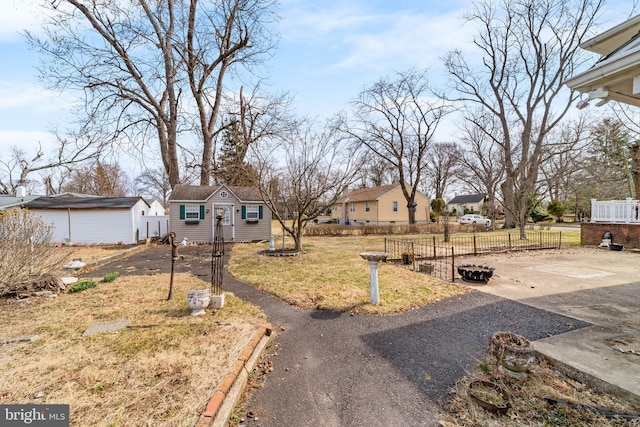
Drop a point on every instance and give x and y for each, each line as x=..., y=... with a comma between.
x=337, y=369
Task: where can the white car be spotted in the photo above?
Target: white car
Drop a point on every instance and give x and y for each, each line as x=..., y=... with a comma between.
x=474, y=219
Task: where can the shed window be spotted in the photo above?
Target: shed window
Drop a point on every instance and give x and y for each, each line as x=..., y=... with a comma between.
x=395, y=206
x=352, y=207
x=252, y=212
x=192, y=212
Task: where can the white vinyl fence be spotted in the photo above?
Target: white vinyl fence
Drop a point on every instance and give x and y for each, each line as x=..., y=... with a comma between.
x=153, y=227
x=621, y=211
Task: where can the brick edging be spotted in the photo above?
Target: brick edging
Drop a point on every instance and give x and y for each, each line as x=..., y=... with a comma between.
x=212, y=409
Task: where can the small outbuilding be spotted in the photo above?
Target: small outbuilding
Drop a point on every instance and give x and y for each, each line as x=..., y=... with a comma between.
x=86, y=219
x=193, y=210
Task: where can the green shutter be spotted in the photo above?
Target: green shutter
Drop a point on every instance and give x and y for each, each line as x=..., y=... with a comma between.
x=201, y=211
x=260, y=212
x=182, y=212
x=244, y=212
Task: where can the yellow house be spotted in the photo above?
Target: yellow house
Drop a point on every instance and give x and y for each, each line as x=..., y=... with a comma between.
x=378, y=205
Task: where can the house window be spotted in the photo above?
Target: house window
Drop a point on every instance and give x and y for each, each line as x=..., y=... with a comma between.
x=224, y=194
x=352, y=207
x=253, y=212
x=395, y=206
x=367, y=207
x=192, y=212
x=471, y=208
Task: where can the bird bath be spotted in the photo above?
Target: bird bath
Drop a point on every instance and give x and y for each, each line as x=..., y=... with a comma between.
x=374, y=258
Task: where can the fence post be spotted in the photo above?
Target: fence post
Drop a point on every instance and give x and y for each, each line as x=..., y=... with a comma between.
x=509, y=234
x=560, y=240
x=475, y=247
x=413, y=256
x=453, y=265
x=385, y=245
x=540, y=240
x=434, y=247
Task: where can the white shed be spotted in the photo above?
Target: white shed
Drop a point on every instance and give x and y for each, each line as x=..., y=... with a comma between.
x=93, y=220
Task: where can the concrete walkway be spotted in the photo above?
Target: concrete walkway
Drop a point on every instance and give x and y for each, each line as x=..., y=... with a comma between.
x=597, y=286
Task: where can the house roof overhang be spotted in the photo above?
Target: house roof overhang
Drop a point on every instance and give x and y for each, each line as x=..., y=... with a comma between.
x=617, y=75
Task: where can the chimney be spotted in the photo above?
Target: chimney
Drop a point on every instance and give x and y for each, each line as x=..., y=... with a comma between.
x=21, y=191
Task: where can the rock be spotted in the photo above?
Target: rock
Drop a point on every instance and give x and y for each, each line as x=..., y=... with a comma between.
x=102, y=327
x=69, y=280
x=74, y=265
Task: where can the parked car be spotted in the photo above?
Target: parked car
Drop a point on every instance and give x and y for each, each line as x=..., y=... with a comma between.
x=474, y=219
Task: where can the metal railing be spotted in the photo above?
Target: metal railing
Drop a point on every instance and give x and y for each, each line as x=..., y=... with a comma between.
x=434, y=256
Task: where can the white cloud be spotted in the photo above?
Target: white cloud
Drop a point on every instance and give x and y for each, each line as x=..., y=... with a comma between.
x=27, y=141
x=30, y=96
x=16, y=16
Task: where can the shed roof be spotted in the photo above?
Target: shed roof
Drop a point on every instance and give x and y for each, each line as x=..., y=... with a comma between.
x=78, y=202
x=204, y=192
x=7, y=201
x=467, y=198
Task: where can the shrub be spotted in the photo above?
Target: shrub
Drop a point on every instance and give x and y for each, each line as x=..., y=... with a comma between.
x=110, y=277
x=26, y=250
x=81, y=286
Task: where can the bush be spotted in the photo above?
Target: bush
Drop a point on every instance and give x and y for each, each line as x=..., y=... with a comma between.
x=557, y=209
x=539, y=216
x=81, y=286
x=26, y=250
x=110, y=277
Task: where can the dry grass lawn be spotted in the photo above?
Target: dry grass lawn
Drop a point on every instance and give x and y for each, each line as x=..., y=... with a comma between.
x=161, y=370
x=331, y=275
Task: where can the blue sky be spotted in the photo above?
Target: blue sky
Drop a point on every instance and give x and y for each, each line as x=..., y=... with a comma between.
x=328, y=52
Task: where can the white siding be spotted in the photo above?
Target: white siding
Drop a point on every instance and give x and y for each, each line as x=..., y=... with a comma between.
x=91, y=226
x=158, y=226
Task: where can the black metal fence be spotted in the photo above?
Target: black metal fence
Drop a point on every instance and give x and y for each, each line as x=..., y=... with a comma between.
x=433, y=255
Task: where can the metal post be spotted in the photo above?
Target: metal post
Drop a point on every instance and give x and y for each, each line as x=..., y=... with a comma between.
x=453, y=265
x=434, y=247
x=174, y=258
x=560, y=240
x=217, y=254
x=475, y=246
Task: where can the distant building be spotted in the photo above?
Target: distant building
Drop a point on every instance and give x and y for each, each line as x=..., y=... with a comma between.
x=378, y=205
x=474, y=203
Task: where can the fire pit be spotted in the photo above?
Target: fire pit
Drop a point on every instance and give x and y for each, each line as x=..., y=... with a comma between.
x=475, y=273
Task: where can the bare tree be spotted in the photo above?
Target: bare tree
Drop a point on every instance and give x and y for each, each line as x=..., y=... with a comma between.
x=443, y=166
x=100, y=179
x=481, y=159
x=140, y=65
x=303, y=175
x=232, y=33
x=396, y=120
x=154, y=183
x=529, y=49
x=71, y=150
x=251, y=119
x=375, y=172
